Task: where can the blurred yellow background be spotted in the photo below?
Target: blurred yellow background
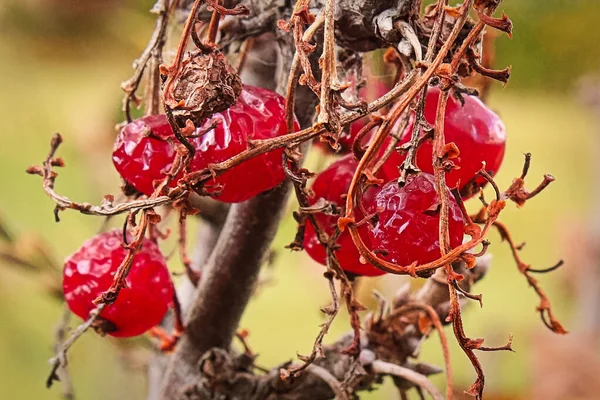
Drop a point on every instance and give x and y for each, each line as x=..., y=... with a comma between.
x=61, y=65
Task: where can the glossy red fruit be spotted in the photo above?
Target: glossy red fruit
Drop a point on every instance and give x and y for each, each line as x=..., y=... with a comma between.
x=141, y=305
x=142, y=154
x=332, y=185
x=476, y=130
x=374, y=88
x=258, y=114
x=408, y=219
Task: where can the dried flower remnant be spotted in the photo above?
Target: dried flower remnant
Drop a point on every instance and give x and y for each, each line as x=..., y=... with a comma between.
x=205, y=84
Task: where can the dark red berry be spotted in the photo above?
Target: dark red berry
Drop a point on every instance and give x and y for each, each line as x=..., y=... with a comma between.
x=141, y=305
x=476, y=130
x=332, y=185
x=407, y=229
x=374, y=88
x=258, y=114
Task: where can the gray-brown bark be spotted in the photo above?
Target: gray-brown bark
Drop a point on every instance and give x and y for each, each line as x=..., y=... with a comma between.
x=225, y=376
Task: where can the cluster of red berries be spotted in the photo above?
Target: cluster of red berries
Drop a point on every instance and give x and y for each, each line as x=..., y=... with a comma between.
x=403, y=221
x=144, y=150
x=143, y=154
x=403, y=226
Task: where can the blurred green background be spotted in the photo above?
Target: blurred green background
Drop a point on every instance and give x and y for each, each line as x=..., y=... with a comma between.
x=61, y=65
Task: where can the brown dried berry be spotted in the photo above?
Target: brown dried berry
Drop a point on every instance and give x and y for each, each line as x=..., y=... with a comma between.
x=205, y=84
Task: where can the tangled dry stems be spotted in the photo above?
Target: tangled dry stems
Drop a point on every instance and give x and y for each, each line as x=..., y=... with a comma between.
x=447, y=51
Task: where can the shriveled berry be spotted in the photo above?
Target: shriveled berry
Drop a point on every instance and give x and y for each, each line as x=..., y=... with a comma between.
x=332, y=185
x=476, y=130
x=407, y=229
x=206, y=84
x=258, y=114
x=140, y=305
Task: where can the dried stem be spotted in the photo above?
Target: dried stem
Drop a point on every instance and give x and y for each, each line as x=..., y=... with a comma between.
x=386, y=368
x=152, y=51
x=409, y=166
x=437, y=323
x=327, y=112
x=465, y=343
x=106, y=208
x=60, y=359
x=545, y=308
x=331, y=380
x=63, y=370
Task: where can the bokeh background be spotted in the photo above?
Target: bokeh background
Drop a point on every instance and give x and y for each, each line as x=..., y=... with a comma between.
x=61, y=64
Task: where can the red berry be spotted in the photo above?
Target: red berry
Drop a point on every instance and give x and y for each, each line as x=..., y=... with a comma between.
x=141, y=305
x=258, y=114
x=408, y=218
x=332, y=185
x=141, y=153
x=476, y=130
x=373, y=89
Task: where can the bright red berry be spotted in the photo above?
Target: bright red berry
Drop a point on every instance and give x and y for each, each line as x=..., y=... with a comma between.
x=141, y=305
x=408, y=218
x=258, y=114
x=373, y=89
x=476, y=130
x=332, y=185
x=142, y=154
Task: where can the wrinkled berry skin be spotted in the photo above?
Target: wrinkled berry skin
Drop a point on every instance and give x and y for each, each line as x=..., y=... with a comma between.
x=476, y=130
x=332, y=184
x=141, y=305
x=407, y=227
x=258, y=114
x=142, y=154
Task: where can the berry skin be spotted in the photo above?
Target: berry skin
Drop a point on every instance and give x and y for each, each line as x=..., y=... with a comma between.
x=141, y=305
x=258, y=114
x=332, y=184
x=142, y=154
x=408, y=218
x=476, y=130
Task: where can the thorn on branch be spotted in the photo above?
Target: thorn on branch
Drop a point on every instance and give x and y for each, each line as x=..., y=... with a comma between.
x=499, y=75
x=506, y=347
x=503, y=23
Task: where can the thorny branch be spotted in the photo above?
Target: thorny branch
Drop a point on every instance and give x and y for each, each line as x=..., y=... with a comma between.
x=544, y=308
